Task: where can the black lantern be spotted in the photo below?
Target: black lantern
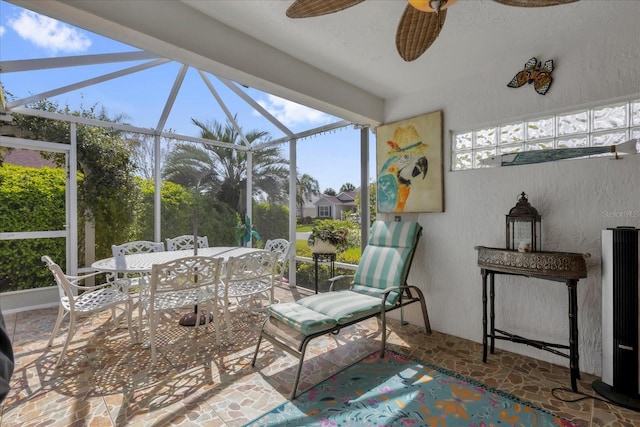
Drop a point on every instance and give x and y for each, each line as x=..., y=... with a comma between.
x=524, y=227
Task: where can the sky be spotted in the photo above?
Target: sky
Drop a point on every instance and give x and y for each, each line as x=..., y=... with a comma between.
x=332, y=158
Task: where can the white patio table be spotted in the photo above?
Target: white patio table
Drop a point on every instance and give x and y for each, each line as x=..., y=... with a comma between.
x=142, y=262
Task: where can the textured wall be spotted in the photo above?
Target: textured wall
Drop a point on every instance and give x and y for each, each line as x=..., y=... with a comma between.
x=576, y=198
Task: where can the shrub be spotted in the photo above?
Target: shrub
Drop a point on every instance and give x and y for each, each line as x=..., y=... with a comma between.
x=31, y=199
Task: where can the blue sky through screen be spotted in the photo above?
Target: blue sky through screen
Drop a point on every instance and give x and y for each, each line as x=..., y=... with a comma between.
x=333, y=158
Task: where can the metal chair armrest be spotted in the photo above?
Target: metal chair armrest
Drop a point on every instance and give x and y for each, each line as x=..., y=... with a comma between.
x=76, y=279
x=333, y=280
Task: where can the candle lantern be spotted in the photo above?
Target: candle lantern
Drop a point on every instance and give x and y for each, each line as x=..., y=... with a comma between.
x=524, y=227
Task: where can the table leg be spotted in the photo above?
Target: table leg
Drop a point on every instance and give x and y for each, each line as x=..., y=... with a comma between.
x=492, y=315
x=573, y=333
x=484, y=314
x=315, y=259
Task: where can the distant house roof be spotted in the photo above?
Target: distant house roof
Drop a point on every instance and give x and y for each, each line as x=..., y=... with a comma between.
x=308, y=203
x=346, y=198
x=27, y=158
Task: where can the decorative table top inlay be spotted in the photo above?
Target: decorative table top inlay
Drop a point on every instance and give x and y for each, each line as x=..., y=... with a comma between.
x=549, y=265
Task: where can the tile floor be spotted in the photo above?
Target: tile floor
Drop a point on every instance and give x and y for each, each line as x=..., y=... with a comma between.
x=106, y=380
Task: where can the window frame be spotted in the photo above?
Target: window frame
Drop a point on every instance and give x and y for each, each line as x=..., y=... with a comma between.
x=603, y=124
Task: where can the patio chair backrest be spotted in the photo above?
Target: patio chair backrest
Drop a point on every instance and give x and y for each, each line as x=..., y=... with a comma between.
x=185, y=274
x=64, y=288
x=186, y=242
x=282, y=249
x=387, y=258
x=137, y=247
x=250, y=273
x=279, y=246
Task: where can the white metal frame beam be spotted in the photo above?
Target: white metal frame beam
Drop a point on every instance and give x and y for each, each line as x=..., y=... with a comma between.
x=73, y=61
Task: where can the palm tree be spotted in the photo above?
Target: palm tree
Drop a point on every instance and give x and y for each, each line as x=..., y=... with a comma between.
x=222, y=171
x=347, y=187
x=307, y=187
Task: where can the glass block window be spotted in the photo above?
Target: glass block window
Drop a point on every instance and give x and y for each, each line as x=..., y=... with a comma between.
x=594, y=127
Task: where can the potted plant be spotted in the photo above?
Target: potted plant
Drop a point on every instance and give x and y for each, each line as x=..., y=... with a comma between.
x=327, y=238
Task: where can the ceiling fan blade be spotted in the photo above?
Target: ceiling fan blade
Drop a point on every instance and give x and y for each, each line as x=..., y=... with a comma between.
x=311, y=8
x=534, y=3
x=417, y=31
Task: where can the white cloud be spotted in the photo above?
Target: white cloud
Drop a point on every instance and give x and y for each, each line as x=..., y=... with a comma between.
x=49, y=34
x=2, y=30
x=292, y=114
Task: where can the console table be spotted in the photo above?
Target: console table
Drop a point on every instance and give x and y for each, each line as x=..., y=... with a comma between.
x=556, y=266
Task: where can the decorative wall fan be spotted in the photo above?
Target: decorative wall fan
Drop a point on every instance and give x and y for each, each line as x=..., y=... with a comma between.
x=420, y=24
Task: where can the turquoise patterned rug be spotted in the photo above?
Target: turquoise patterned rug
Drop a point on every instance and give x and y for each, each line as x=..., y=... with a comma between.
x=398, y=391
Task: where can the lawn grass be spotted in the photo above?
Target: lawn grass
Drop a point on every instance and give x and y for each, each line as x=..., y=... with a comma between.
x=301, y=245
x=303, y=228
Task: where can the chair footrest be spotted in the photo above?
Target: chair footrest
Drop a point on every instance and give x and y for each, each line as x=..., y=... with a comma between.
x=301, y=318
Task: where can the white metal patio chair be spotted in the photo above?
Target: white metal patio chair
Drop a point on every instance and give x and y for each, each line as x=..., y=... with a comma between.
x=76, y=300
x=248, y=279
x=186, y=242
x=137, y=247
x=282, y=247
x=129, y=248
x=186, y=282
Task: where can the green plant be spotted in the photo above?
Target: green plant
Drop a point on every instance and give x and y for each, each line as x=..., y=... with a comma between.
x=245, y=232
x=327, y=231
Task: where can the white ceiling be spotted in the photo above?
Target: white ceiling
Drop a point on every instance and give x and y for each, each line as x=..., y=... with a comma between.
x=344, y=63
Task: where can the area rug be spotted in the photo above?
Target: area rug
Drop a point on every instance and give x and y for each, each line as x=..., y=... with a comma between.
x=399, y=391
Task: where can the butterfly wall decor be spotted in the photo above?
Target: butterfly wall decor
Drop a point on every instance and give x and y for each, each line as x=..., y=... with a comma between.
x=536, y=73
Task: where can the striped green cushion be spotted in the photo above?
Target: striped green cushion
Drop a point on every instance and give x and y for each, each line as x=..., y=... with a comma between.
x=384, y=264
x=394, y=234
x=385, y=261
x=343, y=306
x=301, y=318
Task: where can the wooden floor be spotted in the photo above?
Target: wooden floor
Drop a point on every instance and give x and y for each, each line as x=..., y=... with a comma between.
x=106, y=380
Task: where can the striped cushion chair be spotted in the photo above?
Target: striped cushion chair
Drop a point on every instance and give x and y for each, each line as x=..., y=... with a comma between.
x=378, y=286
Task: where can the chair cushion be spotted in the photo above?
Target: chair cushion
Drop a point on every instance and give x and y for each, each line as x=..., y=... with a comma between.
x=301, y=318
x=343, y=306
x=394, y=234
x=386, y=259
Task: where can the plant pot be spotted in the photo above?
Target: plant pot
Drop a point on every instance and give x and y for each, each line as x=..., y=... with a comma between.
x=323, y=247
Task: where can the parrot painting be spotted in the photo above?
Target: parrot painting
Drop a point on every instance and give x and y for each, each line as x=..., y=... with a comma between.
x=405, y=162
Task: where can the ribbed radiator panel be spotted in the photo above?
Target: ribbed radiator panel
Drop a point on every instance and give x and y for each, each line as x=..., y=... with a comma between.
x=625, y=311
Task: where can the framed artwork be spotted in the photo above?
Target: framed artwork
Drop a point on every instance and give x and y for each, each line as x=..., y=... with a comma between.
x=409, y=165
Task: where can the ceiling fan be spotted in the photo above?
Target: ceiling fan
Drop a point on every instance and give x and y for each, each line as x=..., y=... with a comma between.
x=420, y=24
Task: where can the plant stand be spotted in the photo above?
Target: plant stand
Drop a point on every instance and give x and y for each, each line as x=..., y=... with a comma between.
x=324, y=258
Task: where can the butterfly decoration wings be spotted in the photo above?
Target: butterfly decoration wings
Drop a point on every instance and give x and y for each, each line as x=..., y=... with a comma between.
x=536, y=73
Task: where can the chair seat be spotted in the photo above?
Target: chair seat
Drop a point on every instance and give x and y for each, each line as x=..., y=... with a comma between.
x=248, y=288
x=177, y=299
x=96, y=300
x=301, y=318
x=343, y=306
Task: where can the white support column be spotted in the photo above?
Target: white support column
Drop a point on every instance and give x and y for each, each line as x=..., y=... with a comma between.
x=157, y=199
x=250, y=191
x=72, y=204
x=364, y=186
x=293, y=167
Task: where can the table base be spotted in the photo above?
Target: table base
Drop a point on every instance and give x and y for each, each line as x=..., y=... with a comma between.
x=189, y=319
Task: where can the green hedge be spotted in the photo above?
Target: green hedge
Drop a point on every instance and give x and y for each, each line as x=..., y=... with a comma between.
x=30, y=199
